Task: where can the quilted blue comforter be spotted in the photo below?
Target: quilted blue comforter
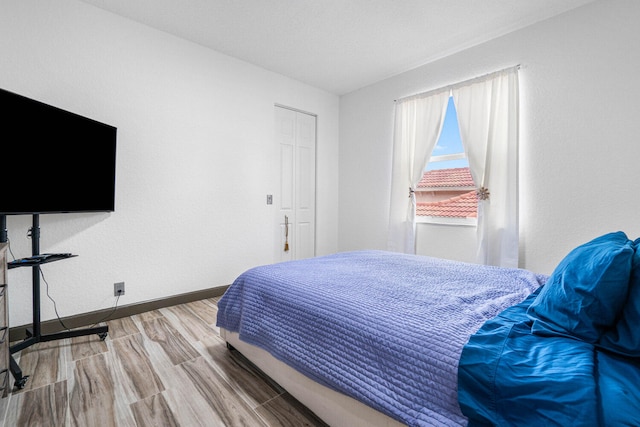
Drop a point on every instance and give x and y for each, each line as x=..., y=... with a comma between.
x=384, y=328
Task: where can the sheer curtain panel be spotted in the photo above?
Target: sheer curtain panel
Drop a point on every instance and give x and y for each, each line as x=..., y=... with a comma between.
x=488, y=119
x=418, y=123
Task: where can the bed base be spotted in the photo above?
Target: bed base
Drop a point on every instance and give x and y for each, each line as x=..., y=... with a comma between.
x=335, y=409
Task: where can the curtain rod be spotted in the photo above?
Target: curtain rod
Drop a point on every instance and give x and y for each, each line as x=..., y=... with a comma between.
x=457, y=85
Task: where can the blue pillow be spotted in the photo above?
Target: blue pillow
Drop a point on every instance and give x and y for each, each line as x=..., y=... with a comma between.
x=624, y=337
x=586, y=292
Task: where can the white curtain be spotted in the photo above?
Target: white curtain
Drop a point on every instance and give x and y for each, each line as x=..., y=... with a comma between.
x=418, y=123
x=488, y=119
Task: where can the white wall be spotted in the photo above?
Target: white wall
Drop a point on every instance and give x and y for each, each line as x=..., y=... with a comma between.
x=195, y=157
x=579, y=150
x=457, y=242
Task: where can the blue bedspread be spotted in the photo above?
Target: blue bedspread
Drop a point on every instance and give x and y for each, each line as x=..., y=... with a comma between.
x=568, y=355
x=385, y=328
x=511, y=377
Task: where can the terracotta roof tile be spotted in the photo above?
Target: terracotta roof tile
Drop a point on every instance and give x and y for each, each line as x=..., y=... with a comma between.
x=463, y=206
x=454, y=177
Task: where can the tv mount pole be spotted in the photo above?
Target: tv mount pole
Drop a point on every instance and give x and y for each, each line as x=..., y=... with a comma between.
x=3, y=229
x=35, y=274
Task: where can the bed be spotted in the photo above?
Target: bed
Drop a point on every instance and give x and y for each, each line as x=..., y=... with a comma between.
x=374, y=338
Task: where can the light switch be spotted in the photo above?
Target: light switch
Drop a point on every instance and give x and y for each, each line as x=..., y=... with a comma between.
x=269, y=199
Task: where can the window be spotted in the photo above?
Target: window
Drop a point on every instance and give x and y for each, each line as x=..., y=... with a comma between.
x=489, y=120
x=447, y=193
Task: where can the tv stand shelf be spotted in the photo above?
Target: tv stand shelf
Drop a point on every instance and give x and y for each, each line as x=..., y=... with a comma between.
x=37, y=260
x=34, y=334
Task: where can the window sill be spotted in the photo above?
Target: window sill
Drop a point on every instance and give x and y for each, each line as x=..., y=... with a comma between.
x=441, y=220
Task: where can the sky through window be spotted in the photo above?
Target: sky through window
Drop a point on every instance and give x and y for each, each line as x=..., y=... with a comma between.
x=449, y=142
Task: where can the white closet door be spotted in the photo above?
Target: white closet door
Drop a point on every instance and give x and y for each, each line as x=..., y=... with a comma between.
x=295, y=135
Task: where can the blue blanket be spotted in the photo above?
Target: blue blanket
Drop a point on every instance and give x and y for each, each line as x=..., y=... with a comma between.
x=511, y=377
x=384, y=328
x=568, y=355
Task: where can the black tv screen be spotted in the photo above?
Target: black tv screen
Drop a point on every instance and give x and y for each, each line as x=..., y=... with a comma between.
x=54, y=161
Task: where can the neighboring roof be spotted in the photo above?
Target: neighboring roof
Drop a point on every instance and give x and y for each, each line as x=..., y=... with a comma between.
x=463, y=206
x=447, y=178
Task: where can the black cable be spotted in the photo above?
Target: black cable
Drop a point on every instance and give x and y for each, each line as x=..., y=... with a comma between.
x=55, y=307
x=115, y=307
x=9, y=247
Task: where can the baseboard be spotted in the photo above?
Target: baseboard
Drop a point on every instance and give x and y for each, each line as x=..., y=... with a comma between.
x=19, y=333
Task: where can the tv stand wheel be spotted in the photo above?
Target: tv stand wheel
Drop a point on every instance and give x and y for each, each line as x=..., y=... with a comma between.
x=19, y=384
x=103, y=336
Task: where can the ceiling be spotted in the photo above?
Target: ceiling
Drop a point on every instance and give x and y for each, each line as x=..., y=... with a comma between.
x=338, y=45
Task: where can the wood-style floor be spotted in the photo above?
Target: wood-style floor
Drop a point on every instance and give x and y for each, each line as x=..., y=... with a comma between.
x=167, y=367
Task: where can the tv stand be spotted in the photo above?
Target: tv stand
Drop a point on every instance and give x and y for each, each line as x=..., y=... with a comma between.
x=35, y=335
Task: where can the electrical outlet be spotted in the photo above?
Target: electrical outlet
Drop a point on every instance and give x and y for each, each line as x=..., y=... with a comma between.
x=118, y=289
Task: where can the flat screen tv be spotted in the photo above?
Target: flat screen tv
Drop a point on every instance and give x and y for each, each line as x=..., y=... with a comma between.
x=54, y=161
